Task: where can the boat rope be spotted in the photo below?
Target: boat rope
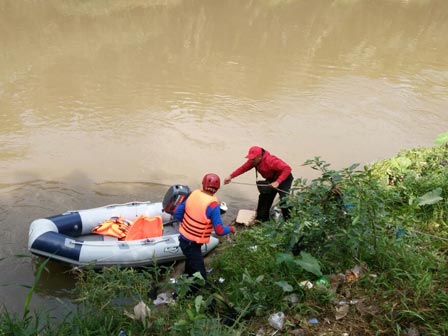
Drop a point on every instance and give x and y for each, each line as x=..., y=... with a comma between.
x=114, y=205
x=251, y=184
x=145, y=242
x=242, y=183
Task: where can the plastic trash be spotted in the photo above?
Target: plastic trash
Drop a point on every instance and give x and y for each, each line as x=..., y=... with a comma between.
x=142, y=313
x=291, y=298
x=412, y=331
x=122, y=333
x=163, y=298
x=260, y=332
x=354, y=273
x=341, y=311
x=400, y=233
x=313, y=321
x=306, y=284
x=322, y=282
x=277, y=320
x=340, y=303
x=276, y=214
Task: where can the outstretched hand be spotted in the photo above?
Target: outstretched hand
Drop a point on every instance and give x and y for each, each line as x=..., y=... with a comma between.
x=227, y=180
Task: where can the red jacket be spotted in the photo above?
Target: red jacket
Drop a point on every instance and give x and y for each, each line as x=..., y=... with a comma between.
x=270, y=167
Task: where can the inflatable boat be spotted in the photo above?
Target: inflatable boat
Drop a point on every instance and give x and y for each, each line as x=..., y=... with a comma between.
x=68, y=238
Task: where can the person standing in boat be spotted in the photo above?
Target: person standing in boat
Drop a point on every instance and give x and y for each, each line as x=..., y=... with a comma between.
x=278, y=180
x=199, y=215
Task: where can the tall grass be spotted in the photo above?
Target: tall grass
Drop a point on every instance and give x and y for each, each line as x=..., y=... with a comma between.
x=28, y=324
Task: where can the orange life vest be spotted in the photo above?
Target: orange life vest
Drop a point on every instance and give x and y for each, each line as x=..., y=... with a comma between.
x=114, y=226
x=145, y=227
x=195, y=224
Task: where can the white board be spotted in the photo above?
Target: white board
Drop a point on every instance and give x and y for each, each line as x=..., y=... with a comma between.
x=246, y=217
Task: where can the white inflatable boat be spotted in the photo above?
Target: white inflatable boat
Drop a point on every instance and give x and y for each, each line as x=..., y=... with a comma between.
x=67, y=237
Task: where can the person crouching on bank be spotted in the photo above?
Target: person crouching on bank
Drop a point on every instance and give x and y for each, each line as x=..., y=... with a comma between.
x=278, y=177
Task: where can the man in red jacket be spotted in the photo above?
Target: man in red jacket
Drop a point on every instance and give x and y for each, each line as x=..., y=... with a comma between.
x=276, y=172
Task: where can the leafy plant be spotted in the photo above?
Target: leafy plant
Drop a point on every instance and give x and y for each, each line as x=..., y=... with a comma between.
x=442, y=139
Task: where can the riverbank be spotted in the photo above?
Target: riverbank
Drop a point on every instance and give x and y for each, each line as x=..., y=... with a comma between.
x=364, y=254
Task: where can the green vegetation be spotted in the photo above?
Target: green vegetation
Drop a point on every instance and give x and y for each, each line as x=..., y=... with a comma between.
x=371, y=244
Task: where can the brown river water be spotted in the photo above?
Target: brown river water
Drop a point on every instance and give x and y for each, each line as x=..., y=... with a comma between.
x=113, y=101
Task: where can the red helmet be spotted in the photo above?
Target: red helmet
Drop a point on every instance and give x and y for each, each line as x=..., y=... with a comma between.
x=211, y=181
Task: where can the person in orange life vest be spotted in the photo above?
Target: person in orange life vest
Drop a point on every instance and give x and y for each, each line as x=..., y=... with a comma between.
x=276, y=172
x=199, y=214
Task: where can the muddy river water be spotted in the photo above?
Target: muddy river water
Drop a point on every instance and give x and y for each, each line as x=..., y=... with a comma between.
x=113, y=101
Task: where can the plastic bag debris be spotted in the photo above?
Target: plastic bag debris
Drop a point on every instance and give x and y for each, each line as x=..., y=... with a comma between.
x=277, y=214
x=354, y=273
x=277, y=320
x=412, y=331
x=341, y=311
x=313, y=321
x=291, y=298
x=163, y=298
x=141, y=312
x=306, y=284
x=322, y=282
x=260, y=332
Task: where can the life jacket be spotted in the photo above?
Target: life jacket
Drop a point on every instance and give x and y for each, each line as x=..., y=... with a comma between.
x=145, y=227
x=195, y=224
x=114, y=226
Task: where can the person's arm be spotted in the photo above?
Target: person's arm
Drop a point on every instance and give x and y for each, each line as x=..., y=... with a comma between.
x=240, y=170
x=179, y=212
x=214, y=213
x=282, y=167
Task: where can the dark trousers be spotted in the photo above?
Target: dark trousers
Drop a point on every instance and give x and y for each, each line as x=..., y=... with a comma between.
x=265, y=200
x=194, y=261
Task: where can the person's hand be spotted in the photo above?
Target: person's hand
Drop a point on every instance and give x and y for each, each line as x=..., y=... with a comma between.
x=227, y=180
x=275, y=184
x=232, y=229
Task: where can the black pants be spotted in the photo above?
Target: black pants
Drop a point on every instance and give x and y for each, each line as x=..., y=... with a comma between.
x=194, y=261
x=265, y=200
